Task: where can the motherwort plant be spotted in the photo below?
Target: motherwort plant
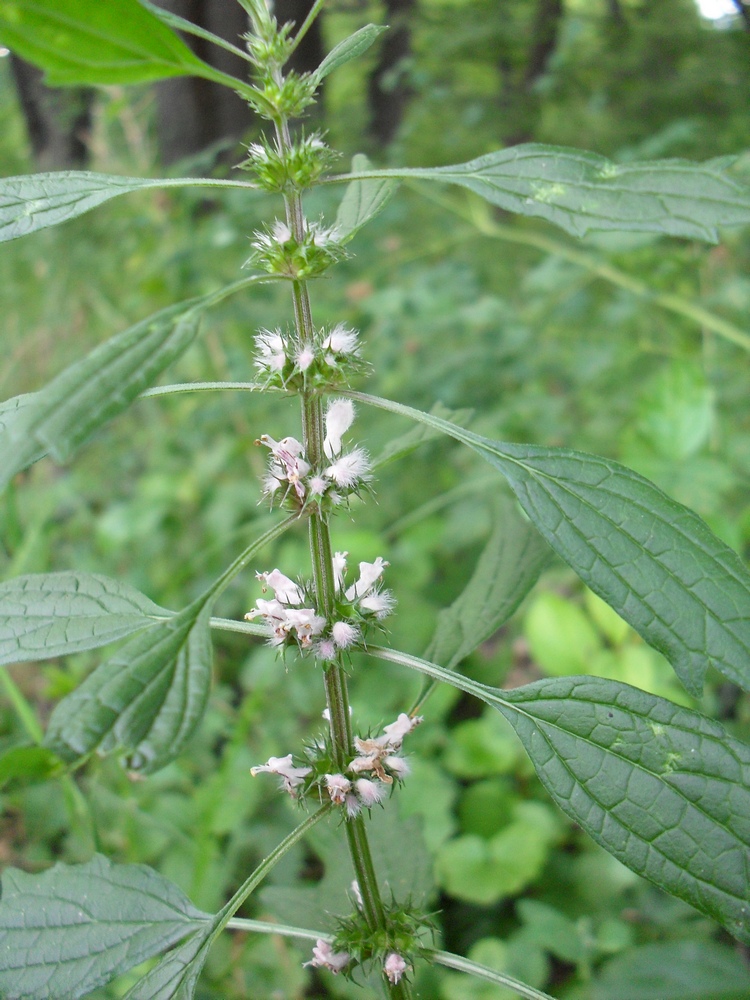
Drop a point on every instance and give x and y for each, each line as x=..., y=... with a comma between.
x=661, y=787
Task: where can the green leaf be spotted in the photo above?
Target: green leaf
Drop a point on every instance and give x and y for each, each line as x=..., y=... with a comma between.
x=53, y=614
x=176, y=975
x=362, y=200
x=146, y=700
x=181, y=24
x=26, y=452
x=651, y=559
x=92, y=391
x=662, y=788
x=37, y=201
x=583, y=192
x=507, y=569
x=674, y=970
x=78, y=42
x=28, y=765
x=75, y=927
x=351, y=48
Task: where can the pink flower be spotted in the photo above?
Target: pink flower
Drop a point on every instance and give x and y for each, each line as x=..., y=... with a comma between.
x=292, y=776
x=338, y=786
x=324, y=957
x=394, y=968
x=344, y=634
x=349, y=469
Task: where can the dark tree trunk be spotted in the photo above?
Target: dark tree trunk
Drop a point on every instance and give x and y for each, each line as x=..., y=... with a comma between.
x=58, y=120
x=388, y=89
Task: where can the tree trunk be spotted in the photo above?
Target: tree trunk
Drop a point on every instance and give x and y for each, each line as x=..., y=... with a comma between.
x=388, y=89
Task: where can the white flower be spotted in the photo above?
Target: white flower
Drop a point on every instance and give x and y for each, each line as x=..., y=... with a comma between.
x=349, y=469
x=369, y=574
x=270, y=347
x=288, y=463
x=356, y=892
x=286, y=590
x=305, y=357
x=339, y=568
x=394, y=968
x=397, y=765
x=344, y=634
x=338, y=786
x=320, y=236
x=341, y=340
x=324, y=957
x=282, y=620
x=281, y=232
x=369, y=792
x=283, y=766
x=380, y=603
x=307, y=623
x=326, y=650
x=318, y=485
x=353, y=805
x=339, y=418
x=403, y=725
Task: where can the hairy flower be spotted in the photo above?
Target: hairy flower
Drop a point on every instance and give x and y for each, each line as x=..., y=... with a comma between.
x=339, y=418
x=292, y=776
x=394, y=968
x=350, y=469
x=344, y=634
x=341, y=340
x=285, y=590
x=369, y=574
x=324, y=957
x=337, y=786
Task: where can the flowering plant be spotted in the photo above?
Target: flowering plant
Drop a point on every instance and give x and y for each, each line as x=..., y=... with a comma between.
x=661, y=787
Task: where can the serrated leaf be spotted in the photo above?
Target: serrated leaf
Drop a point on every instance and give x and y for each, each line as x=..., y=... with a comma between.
x=73, y=928
x=362, y=200
x=662, y=788
x=75, y=42
x=583, y=192
x=54, y=614
x=651, y=559
x=32, y=202
x=351, y=48
x=90, y=392
x=175, y=976
x=507, y=569
x=146, y=700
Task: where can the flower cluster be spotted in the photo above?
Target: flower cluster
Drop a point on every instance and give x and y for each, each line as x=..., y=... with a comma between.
x=277, y=251
x=292, y=482
x=330, y=358
x=293, y=169
x=324, y=957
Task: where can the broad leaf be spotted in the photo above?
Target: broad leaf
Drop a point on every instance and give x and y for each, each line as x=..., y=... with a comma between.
x=362, y=200
x=90, y=392
x=36, y=201
x=653, y=560
x=176, y=975
x=581, y=191
x=146, y=700
x=662, y=788
x=96, y=43
x=351, y=48
x=507, y=569
x=75, y=927
x=53, y=614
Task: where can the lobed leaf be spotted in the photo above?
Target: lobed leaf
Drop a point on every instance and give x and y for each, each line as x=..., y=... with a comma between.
x=73, y=928
x=507, y=569
x=362, y=200
x=96, y=43
x=37, y=201
x=53, y=614
x=653, y=560
x=351, y=48
x=146, y=700
x=583, y=192
x=662, y=788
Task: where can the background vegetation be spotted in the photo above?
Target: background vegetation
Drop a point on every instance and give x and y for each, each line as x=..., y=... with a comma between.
x=629, y=346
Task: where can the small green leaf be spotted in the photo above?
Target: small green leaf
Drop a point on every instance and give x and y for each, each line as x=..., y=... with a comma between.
x=507, y=569
x=28, y=765
x=351, y=48
x=53, y=614
x=79, y=42
x=146, y=700
x=651, y=559
x=75, y=927
x=37, y=201
x=362, y=200
x=583, y=192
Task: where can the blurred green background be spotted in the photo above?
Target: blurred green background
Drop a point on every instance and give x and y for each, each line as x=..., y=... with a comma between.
x=596, y=344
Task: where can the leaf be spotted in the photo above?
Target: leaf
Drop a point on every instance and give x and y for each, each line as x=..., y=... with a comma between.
x=28, y=765
x=653, y=560
x=176, y=975
x=351, y=48
x=37, y=201
x=90, y=392
x=96, y=43
x=73, y=928
x=583, y=192
x=146, y=700
x=362, y=200
x=53, y=614
x=181, y=24
x=662, y=788
x=674, y=970
x=27, y=452
x=406, y=443
x=507, y=569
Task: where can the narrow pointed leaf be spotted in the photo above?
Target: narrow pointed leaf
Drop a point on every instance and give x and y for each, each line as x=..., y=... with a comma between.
x=662, y=788
x=583, y=192
x=54, y=614
x=146, y=700
x=508, y=568
x=90, y=392
x=75, y=927
x=27, y=451
x=653, y=560
x=351, y=48
x=32, y=202
x=362, y=200
x=96, y=43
